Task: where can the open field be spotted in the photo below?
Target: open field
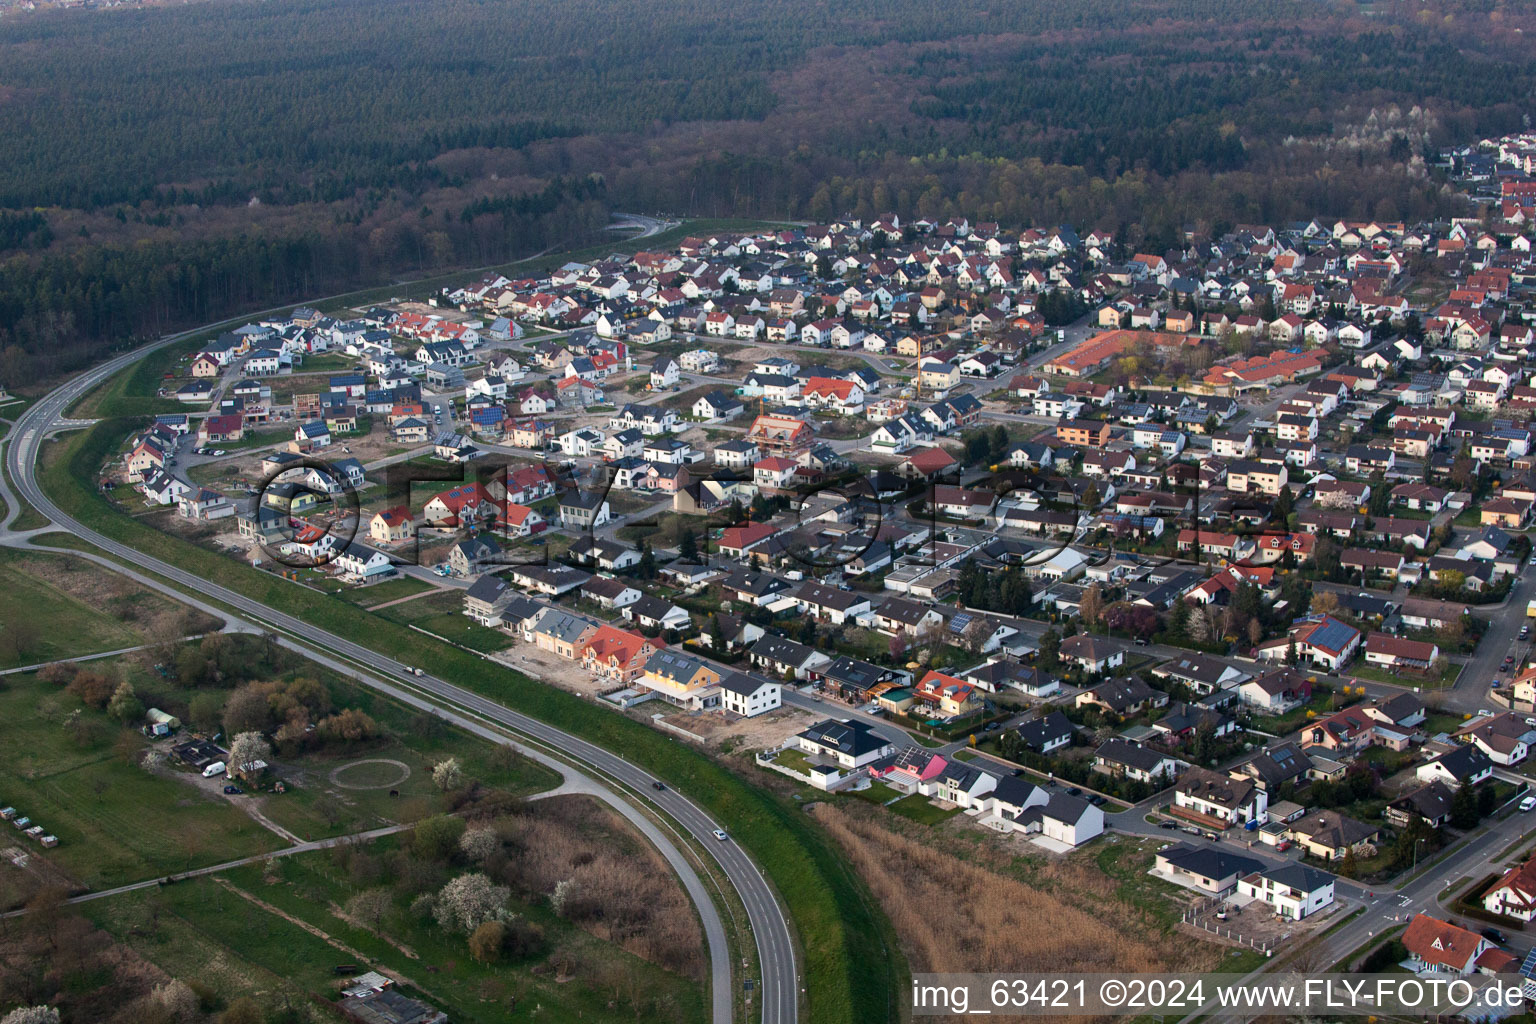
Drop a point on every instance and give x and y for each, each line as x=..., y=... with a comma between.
x=57, y=606
x=443, y=615
x=78, y=772
x=74, y=773
x=994, y=900
x=284, y=926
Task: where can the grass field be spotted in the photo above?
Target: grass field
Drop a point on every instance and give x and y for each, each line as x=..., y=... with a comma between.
x=918, y=808
x=116, y=822
x=389, y=590
x=833, y=913
x=63, y=625
x=443, y=615
x=291, y=939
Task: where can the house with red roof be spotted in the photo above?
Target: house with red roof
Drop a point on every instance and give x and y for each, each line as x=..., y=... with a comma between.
x=617, y=655
x=926, y=464
x=780, y=434
x=947, y=695
x=1439, y=947
x=1400, y=652
x=774, y=472
x=1343, y=731
x=738, y=541
x=520, y=520
x=844, y=396
x=229, y=427
x=1263, y=371
x=1319, y=640
x=1514, y=895
x=392, y=525
x=458, y=506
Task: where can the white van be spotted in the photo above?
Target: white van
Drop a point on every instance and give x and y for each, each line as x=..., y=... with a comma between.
x=217, y=768
x=1529, y=803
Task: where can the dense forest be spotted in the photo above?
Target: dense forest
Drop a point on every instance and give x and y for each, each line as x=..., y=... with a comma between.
x=319, y=143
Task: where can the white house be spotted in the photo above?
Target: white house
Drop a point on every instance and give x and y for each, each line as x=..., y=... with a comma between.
x=364, y=562
x=743, y=695
x=1295, y=891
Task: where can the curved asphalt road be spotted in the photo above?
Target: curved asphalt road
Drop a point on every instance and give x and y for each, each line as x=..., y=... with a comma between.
x=778, y=996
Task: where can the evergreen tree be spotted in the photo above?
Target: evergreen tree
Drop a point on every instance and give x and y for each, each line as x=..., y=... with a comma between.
x=1464, y=809
x=1050, y=648
x=999, y=443
x=646, y=569
x=687, y=547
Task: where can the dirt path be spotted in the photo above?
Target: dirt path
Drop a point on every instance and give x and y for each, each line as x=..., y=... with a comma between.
x=407, y=597
x=324, y=936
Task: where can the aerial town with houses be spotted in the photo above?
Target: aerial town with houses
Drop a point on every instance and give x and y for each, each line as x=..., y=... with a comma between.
x=1226, y=543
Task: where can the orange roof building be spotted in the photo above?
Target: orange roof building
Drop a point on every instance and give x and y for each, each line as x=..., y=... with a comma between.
x=616, y=654
x=1095, y=353
x=1264, y=371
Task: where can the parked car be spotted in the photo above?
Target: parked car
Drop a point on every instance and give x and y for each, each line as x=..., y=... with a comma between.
x=1529, y=803
x=1074, y=791
x=1283, y=845
x=1493, y=935
x=1167, y=824
x=233, y=790
x=1097, y=800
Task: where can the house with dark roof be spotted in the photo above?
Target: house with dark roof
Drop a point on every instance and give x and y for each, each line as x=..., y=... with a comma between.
x=1093, y=654
x=1122, y=695
x=785, y=657
x=749, y=696
x=1329, y=835
x=1275, y=692
x=1043, y=735
x=1208, y=797
x=487, y=599
x=1293, y=890
x=1466, y=765
x=852, y=679
x=1121, y=757
x=1210, y=869
x=1203, y=673
x=1281, y=764
x=1430, y=804
x=850, y=745
x=1007, y=674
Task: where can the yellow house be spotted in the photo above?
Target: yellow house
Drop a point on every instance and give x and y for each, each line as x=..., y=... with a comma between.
x=679, y=679
x=939, y=376
x=1181, y=320
x=391, y=525
x=561, y=633
x=913, y=345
